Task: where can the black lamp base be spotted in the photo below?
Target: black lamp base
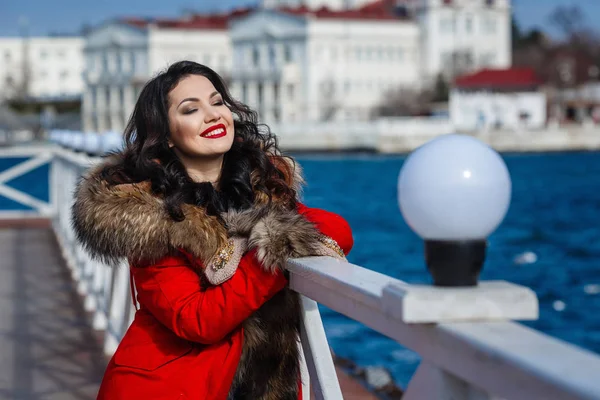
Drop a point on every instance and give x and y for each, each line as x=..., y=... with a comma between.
x=455, y=263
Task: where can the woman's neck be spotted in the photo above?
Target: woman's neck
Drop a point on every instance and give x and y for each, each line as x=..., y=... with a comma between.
x=201, y=169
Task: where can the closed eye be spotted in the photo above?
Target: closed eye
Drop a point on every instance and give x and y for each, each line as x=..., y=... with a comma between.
x=193, y=110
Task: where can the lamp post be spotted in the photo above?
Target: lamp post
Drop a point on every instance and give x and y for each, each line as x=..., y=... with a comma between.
x=453, y=192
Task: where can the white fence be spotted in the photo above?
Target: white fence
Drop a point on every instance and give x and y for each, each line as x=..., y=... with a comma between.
x=461, y=360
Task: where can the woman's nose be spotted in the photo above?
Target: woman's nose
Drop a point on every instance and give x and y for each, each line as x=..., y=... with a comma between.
x=211, y=115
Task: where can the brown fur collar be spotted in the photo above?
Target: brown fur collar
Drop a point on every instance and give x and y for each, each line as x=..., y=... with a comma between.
x=129, y=221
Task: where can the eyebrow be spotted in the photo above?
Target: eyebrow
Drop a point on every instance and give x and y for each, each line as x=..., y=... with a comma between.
x=213, y=94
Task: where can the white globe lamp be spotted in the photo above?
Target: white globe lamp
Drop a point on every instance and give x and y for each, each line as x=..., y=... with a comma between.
x=453, y=192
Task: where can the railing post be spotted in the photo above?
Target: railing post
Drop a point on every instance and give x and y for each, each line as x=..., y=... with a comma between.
x=117, y=311
x=317, y=353
x=432, y=383
x=304, y=373
x=101, y=288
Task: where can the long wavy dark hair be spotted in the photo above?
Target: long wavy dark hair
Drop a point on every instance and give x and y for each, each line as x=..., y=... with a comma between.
x=253, y=165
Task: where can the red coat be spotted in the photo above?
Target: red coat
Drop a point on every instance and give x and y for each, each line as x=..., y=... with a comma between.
x=185, y=343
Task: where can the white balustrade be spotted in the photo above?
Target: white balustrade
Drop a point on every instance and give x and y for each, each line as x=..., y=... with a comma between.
x=486, y=358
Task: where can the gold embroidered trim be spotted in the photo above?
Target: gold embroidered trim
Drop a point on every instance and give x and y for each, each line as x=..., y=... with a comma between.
x=332, y=244
x=223, y=255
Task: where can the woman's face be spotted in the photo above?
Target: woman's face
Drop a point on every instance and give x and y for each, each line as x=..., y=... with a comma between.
x=201, y=124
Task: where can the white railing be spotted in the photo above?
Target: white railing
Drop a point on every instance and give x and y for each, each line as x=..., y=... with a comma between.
x=479, y=359
x=26, y=160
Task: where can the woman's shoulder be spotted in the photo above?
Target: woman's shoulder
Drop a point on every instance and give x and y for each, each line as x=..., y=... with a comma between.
x=127, y=220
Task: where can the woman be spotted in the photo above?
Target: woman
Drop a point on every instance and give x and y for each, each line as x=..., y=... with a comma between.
x=206, y=211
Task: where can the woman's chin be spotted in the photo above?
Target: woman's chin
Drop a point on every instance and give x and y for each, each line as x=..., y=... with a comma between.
x=214, y=151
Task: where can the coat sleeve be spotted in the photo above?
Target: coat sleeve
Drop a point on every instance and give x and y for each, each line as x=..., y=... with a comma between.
x=172, y=293
x=330, y=224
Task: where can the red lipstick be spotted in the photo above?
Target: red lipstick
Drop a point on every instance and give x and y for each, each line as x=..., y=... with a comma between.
x=214, y=132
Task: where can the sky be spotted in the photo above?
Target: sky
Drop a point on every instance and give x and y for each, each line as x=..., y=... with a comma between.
x=67, y=16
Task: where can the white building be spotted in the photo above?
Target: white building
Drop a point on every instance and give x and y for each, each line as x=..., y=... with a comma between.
x=41, y=67
x=508, y=99
x=317, y=67
x=459, y=36
x=121, y=56
x=324, y=64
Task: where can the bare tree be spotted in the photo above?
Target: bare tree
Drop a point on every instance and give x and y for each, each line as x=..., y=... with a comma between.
x=403, y=102
x=569, y=19
x=330, y=104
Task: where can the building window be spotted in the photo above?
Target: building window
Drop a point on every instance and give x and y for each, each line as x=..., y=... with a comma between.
x=64, y=75
x=61, y=54
x=119, y=62
x=43, y=54
x=122, y=120
x=89, y=60
x=93, y=97
x=244, y=93
x=348, y=54
x=446, y=25
x=255, y=57
x=400, y=54
x=489, y=25
x=487, y=59
x=138, y=89
x=260, y=94
x=287, y=53
x=121, y=96
x=272, y=56
x=290, y=91
x=327, y=87
x=469, y=24
x=132, y=61
x=7, y=56
x=276, y=92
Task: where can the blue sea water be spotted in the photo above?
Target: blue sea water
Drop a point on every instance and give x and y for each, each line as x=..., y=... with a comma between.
x=554, y=213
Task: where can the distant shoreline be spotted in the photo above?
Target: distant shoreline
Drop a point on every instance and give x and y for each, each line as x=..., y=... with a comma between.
x=569, y=139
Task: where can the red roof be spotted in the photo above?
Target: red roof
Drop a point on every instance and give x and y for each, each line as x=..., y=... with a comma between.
x=511, y=78
x=377, y=10
x=194, y=21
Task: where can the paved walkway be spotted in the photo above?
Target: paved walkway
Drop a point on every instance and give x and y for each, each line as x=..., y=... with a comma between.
x=47, y=348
